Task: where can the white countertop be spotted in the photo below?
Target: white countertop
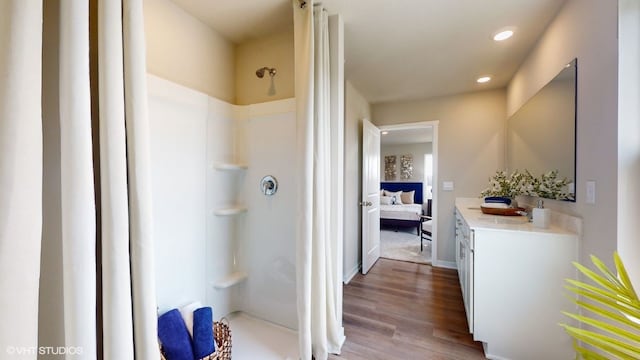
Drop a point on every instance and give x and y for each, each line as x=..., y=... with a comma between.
x=470, y=210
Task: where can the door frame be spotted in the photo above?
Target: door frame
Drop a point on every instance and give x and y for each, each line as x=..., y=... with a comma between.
x=434, y=202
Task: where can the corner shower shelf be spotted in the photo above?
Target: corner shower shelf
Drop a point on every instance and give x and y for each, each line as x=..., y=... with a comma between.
x=230, y=280
x=230, y=166
x=236, y=210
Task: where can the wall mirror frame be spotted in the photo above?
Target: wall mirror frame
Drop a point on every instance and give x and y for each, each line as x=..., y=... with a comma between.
x=541, y=135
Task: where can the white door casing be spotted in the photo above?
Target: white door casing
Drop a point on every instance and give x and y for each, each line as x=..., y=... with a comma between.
x=370, y=203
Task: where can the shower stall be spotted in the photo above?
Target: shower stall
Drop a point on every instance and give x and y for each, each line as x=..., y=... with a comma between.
x=220, y=239
x=226, y=205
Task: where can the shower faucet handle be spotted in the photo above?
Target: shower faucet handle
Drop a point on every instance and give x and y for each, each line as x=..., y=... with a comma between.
x=269, y=185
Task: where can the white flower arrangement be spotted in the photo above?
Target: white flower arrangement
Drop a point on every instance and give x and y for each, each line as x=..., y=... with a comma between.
x=548, y=185
x=551, y=187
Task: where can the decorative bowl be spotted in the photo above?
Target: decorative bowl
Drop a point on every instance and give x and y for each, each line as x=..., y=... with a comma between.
x=516, y=211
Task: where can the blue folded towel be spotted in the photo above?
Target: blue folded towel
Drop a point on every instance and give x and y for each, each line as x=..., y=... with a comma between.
x=498, y=199
x=203, y=344
x=174, y=337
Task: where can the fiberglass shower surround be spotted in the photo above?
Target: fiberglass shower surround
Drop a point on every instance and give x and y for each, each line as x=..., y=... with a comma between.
x=229, y=245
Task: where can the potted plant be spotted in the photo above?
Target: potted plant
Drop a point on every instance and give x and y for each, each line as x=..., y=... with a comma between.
x=548, y=185
x=504, y=187
x=615, y=328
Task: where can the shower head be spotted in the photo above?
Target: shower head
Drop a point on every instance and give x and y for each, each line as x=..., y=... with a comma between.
x=260, y=72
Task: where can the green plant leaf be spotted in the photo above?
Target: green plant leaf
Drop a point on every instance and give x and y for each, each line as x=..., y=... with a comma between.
x=586, y=353
x=611, y=277
x=593, y=289
x=605, y=343
x=624, y=277
x=597, y=278
x=611, y=304
x=612, y=329
x=614, y=301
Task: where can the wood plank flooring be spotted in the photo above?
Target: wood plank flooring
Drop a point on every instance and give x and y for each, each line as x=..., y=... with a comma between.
x=403, y=310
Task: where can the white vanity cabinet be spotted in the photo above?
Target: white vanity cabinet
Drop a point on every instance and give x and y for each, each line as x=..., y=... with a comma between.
x=512, y=279
x=464, y=262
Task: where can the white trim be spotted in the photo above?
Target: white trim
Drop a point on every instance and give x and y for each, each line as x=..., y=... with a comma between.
x=409, y=126
x=490, y=356
x=444, y=264
x=270, y=107
x=352, y=273
x=434, y=202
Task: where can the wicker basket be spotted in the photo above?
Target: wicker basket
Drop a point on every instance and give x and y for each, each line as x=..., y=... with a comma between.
x=222, y=335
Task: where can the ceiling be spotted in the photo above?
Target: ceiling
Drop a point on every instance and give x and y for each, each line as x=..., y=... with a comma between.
x=242, y=20
x=407, y=136
x=404, y=50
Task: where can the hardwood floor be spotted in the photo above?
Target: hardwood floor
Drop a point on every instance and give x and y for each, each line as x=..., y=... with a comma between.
x=402, y=310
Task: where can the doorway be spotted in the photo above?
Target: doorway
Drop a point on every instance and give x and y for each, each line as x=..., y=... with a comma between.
x=410, y=163
x=413, y=147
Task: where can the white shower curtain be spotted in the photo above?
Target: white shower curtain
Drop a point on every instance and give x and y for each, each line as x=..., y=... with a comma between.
x=20, y=172
x=319, y=329
x=126, y=297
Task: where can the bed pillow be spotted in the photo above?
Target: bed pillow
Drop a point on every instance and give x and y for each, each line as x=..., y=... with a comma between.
x=407, y=197
x=396, y=195
x=386, y=200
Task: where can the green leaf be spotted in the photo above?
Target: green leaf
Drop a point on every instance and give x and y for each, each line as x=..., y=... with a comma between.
x=611, y=304
x=588, y=354
x=615, y=297
x=614, y=301
x=596, y=278
x=628, y=335
x=605, y=343
x=624, y=277
x=613, y=279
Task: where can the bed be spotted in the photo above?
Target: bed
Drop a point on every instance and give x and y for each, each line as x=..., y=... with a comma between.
x=402, y=215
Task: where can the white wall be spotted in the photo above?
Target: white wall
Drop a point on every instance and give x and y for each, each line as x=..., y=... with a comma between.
x=178, y=129
x=587, y=30
x=223, y=189
x=268, y=247
x=417, y=151
x=184, y=50
x=471, y=147
x=356, y=109
x=628, y=138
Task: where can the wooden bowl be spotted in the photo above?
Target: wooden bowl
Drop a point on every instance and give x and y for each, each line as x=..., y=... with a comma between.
x=503, y=212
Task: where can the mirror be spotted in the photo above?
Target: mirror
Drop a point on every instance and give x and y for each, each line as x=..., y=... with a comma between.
x=541, y=135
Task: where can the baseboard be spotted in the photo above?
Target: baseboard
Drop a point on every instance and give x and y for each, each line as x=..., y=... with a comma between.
x=490, y=356
x=445, y=264
x=351, y=274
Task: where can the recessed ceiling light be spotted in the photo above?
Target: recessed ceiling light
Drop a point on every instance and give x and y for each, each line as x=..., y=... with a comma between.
x=503, y=35
x=384, y=132
x=484, y=79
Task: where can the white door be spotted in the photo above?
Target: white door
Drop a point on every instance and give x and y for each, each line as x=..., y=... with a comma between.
x=370, y=195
